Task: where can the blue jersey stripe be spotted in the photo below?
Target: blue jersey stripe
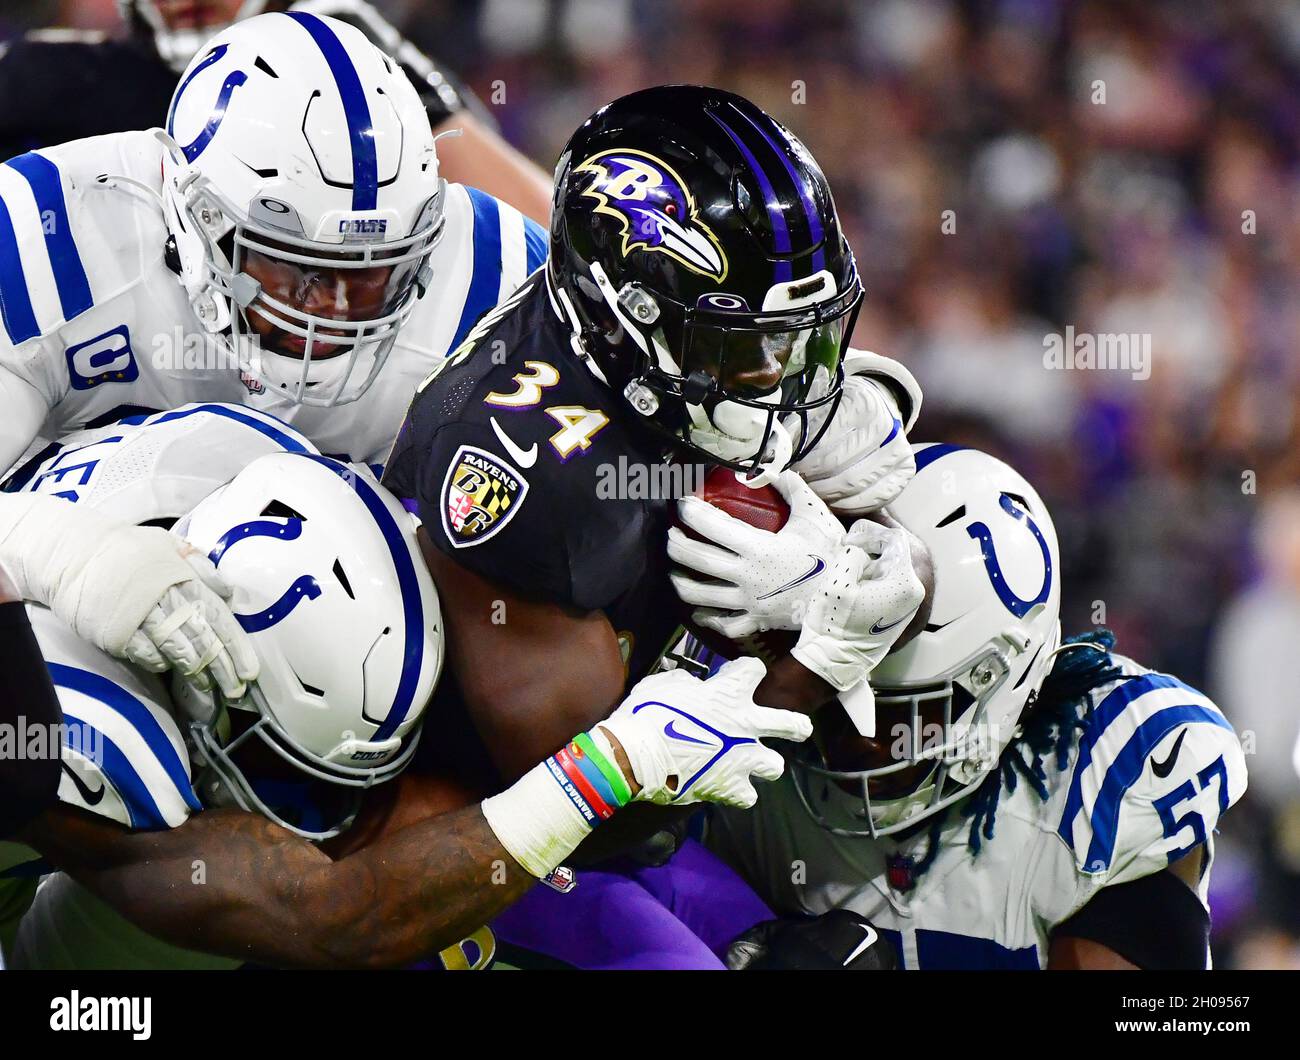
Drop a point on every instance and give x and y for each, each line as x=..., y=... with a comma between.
x=485, y=280
x=412, y=604
x=69, y=274
x=1110, y=708
x=15, y=300
x=537, y=242
x=101, y=689
x=1127, y=768
x=361, y=132
x=118, y=770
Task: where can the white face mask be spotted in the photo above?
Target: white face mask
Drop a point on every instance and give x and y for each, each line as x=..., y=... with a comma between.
x=178, y=46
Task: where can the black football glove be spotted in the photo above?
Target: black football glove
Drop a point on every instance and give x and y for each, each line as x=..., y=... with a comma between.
x=840, y=939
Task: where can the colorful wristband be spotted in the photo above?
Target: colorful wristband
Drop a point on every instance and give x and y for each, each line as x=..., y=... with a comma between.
x=610, y=771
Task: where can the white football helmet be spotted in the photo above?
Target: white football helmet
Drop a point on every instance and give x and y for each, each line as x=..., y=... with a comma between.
x=987, y=647
x=330, y=586
x=177, y=46
x=299, y=151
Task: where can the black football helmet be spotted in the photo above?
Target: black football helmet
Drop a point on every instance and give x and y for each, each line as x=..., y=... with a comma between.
x=697, y=255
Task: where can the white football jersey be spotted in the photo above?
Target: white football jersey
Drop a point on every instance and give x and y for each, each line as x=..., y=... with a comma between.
x=124, y=756
x=98, y=324
x=1145, y=782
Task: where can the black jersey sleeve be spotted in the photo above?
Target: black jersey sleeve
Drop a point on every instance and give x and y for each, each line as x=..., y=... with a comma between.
x=512, y=511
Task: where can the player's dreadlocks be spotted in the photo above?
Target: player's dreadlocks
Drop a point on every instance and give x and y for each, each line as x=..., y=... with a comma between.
x=1060, y=712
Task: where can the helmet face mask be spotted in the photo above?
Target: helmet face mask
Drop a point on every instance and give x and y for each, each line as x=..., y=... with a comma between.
x=176, y=44
x=939, y=724
x=310, y=358
x=950, y=701
x=304, y=203
x=719, y=313
x=718, y=360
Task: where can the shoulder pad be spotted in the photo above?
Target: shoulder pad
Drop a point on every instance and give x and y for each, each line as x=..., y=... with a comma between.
x=505, y=248
x=43, y=278
x=157, y=466
x=1157, y=765
x=900, y=382
x=123, y=754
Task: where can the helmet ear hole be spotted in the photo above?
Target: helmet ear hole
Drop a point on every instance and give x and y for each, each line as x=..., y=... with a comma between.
x=280, y=510
x=311, y=690
x=342, y=576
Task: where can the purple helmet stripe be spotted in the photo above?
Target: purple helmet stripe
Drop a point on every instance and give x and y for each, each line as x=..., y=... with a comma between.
x=810, y=209
x=784, y=270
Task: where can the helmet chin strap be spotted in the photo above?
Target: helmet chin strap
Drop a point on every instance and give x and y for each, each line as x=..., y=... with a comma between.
x=714, y=437
x=212, y=310
x=706, y=431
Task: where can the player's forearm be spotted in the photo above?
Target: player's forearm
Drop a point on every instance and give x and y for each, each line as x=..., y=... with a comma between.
x=421, y=890
x=237, y=885
x=789, y=685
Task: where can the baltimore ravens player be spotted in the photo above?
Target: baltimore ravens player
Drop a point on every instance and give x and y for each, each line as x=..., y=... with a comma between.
x=696, y=307
x=1024, y=803
x=326, y=580
x=287, y=243
x=47, y=77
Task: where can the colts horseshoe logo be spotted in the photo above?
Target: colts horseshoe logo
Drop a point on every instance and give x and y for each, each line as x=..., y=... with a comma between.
x=1013, y=603
x=305, y=587
x=195, y=147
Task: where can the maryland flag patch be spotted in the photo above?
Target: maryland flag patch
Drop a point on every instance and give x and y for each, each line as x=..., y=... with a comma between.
x=479, y=495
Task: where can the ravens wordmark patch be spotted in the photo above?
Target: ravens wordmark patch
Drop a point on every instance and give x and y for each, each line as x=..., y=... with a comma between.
x=479, y=495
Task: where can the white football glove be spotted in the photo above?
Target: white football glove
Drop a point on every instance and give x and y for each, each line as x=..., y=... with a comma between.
x=862, y=606
x=742, y=579
x=691, y=741
x=864, y=459
x=138, y=593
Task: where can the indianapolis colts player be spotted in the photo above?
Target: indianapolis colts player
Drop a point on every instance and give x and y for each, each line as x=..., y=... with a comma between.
x=1023, y=804
x=345, y=622
x=291, y=212
x=286, y=243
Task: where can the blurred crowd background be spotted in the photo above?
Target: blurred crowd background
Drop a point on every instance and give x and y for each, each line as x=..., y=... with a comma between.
x=1005, y=169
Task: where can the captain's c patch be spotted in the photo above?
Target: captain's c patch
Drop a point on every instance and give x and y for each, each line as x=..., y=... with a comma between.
x=479, y=495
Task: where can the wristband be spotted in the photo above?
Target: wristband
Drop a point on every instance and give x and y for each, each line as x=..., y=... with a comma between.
x=552, y=808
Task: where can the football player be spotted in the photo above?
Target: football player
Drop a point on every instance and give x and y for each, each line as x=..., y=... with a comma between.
x=47, y=78
x=1024, y=803
x=286, y=242
x=324, y=574
x=695, y=311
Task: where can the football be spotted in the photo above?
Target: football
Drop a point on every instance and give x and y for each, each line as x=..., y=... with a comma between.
x=763, y=507
x=766, y=509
